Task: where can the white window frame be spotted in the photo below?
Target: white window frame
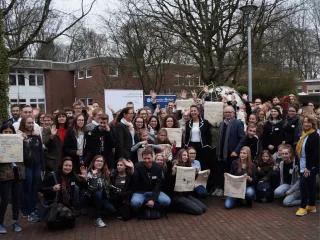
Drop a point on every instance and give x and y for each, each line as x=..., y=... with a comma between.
x=84, y=74
x=117, y=71
x=88, y=76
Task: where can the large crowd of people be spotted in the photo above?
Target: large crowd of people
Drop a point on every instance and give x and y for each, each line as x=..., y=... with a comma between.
x=89, y=165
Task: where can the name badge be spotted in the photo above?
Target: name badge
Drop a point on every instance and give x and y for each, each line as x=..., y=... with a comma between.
x=293, y=126
x=276, y=129
x=154, y=177
x=73, y=183
x=290, y=171
x=123, y=181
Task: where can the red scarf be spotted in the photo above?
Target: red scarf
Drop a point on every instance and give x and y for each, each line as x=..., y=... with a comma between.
x=61, y=134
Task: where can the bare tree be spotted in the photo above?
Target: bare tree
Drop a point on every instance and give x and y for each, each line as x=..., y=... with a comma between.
x=21, y=23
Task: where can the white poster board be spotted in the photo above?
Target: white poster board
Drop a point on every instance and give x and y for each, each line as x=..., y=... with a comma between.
x=213, y=112
x=117, y=99
x=185, y=179
x=235, y=186
x=11, y=148
x=175, y=135
x=202, y=178
x=182, y=104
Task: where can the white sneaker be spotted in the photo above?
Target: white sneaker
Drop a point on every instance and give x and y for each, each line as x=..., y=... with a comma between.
x=219, y=193
x=214, y=192
x=100, y=223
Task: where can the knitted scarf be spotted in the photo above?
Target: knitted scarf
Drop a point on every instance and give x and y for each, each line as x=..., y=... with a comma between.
x=301, y=140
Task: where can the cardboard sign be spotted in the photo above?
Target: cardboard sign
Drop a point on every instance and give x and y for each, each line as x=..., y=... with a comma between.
x=202, y=178
x=183, y=104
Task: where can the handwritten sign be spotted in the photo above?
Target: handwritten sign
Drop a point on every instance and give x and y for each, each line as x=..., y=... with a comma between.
x=213, y=112
x=175, y=135
x=11, y=148
x=185, y=179
x=235, y=186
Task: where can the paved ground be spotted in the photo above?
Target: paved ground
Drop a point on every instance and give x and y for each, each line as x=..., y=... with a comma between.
x=263, y=221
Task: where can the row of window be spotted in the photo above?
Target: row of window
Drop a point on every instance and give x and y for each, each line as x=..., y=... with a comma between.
x=187, y=81
x=33, y=102
x=87, y=73
x=26, y=78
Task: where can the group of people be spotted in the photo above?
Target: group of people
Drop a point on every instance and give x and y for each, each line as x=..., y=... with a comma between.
x=77, y=157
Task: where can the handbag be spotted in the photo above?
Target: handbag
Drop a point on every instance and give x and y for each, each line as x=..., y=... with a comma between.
x=59, y=216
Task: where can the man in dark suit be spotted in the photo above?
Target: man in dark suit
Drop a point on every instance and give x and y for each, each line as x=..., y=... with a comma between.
x=231, y=131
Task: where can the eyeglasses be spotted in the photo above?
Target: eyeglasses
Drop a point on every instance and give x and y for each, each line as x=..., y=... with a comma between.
x=192, y=153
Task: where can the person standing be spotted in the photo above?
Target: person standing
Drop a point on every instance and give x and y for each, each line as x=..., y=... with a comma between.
x=307, y=150
x=231, y=131
x=11, y=177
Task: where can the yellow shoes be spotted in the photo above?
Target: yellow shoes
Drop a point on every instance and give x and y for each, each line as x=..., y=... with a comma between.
x=301, y=212
x=311, y=209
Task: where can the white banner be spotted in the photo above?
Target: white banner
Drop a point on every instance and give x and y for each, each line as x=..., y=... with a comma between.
x=11, y=148
x=235, y=186
x=117, y=99
x=185, y=179
x=213, y=112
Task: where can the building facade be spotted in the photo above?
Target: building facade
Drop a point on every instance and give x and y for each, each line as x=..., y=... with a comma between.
x=53, y=85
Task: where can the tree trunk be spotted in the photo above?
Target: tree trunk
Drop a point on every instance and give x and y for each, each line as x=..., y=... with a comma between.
x=4, y=72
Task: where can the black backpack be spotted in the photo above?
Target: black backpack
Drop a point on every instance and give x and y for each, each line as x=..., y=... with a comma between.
x=264, y=191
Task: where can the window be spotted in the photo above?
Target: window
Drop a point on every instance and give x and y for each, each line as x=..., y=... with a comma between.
x=38, y=103
x=21, y=80
x=177, y=80
x=13, y=101
x=40, y=80
x=12, y=80
x=33, y=100
x=32, y=80
x=81, y=74
x=88, y=73
x=86, y=101
x=113, y=71
x=317, y=90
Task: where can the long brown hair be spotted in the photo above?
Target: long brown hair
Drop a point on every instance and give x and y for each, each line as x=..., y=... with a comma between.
x=105, y=172
x=248, y=160
x=23, y=122
x=269, y=162
x=75, y=123
x=179, y=161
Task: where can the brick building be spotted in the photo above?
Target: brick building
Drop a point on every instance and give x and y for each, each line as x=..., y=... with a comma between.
x=50, y=85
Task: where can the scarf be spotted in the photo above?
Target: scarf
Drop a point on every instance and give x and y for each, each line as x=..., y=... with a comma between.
x=130, y=127
x=301, y=140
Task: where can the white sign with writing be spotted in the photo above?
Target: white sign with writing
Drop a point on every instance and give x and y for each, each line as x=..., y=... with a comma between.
x=202, y=178
x=175, y=135
x=185, y=179
x=183, y=104
x=235, y=186
x=213, y=112
x=11, y=148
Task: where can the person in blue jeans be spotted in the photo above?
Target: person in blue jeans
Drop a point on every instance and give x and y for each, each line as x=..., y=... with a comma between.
x=147, y=179
x=243, y=165
x=34, y=166
x=98, y=184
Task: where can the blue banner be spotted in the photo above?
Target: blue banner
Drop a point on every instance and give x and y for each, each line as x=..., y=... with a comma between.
x=162, y=100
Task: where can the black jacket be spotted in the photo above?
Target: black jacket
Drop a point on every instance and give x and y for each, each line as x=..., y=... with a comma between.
x=147, y=180
x=99, y=142
x=292, y=129
x=124, y=141
x=273, y=134
x=70, y=148
x=254, y=144
x=312, y=147
x=205, y=133
x=52, y=151
x=33, y=151
x=125, y=194
x=234, y=171
x=49, y=181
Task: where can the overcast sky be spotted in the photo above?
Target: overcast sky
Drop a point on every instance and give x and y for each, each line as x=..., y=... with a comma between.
x=100, y=7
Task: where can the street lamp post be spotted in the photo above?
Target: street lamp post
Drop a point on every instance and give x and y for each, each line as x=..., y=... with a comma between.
x=248, y=11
